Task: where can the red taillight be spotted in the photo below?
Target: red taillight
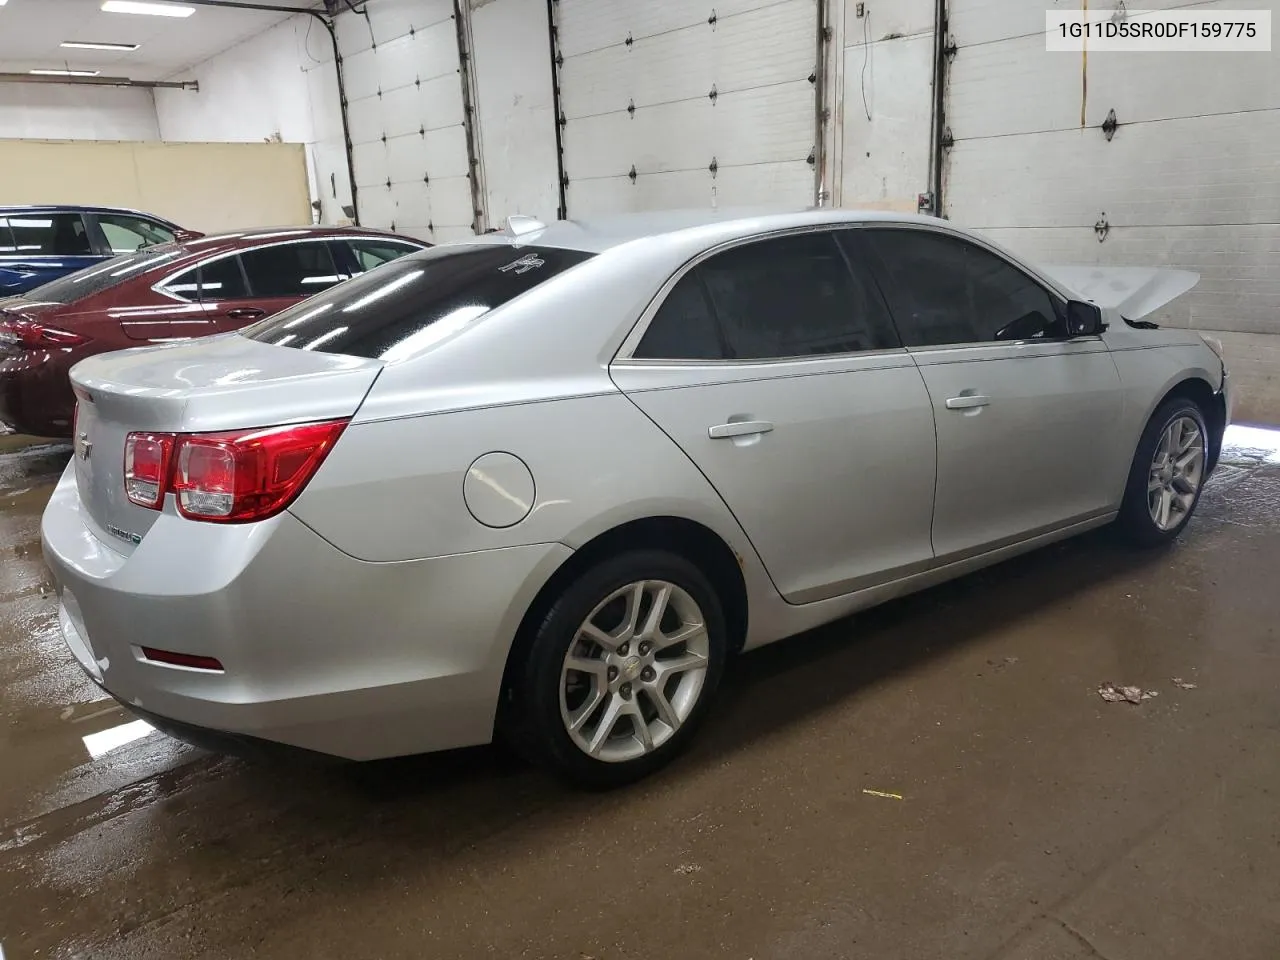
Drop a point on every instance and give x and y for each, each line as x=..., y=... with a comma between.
x=195, y=661
x=34, y=336
x=233, y=477
x=146, y=467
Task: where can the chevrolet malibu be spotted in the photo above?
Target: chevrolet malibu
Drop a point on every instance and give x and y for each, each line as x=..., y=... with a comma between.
x=542, y=484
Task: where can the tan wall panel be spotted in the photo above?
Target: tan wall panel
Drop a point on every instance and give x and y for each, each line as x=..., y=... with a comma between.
x=203, y=186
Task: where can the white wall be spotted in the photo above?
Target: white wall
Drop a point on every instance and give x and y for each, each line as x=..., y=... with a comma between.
x=279, y=85
x=515, y=108
x=37, y=111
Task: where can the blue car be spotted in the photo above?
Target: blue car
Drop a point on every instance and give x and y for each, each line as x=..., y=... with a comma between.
x=39, y=244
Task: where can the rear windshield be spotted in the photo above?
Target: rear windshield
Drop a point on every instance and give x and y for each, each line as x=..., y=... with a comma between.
x=105, y=275
x=389, y=312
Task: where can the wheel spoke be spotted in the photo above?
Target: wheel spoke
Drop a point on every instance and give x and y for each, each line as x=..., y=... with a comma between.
x=586, y=665
x=608, y=720
x=631, y=621
x=1154, y=484
x=687, y=633
x=583, y=713
x=1187, y=438
x=642, y=731
x=656, y=610
x=666, y=712
x=682, y=664
x=598, y=636
x=1184, y=486
x=1187, y=458
x=1166, y=507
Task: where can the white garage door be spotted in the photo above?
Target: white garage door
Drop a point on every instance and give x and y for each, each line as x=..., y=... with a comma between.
x=677, y=103
x=405, y=111
x=1187, y=180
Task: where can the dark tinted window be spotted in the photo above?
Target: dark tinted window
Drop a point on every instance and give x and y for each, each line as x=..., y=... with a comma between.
x=49, y=234
x=7, y=245
x=786, y=297
x=374, y=253
x=391, y=311
x=126, y=233
x=222, y=280
x=684, y=328
x=105, y=275
x=946, y=290
x=290, y=269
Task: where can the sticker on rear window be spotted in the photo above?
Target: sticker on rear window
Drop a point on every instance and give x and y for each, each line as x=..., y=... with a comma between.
x=530, y=261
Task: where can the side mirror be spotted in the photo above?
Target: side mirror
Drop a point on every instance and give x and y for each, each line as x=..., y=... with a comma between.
x=1084, y=319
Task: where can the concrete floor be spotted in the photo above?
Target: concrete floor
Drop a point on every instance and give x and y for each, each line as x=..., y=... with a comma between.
x=1027, y=819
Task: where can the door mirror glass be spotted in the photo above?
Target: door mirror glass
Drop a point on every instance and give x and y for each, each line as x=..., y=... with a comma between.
x=1083, y=319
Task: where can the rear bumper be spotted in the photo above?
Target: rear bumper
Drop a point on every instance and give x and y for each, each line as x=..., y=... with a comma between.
x=321, y=651
x=35, y=393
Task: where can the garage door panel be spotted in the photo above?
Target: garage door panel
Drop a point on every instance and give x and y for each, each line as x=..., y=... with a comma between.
x=1034, y=90
x=756, y=126
x=360, y=74
x=365, y=120
x=353, y=35
x=395, y=18
x=789, y=183
x=585, y=25
x=412, y=201
x=1166, y=88
x=446, y=152
x=440, y=101
x=1199, y=171
x=369, y=161
x=1236, y=290
x=982, y=21
x=451, y=204
x=687, y=63
x=377, y=207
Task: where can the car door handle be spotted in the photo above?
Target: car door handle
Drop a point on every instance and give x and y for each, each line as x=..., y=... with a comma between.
x=246, y=313
x=738, y=428
x=966, y=402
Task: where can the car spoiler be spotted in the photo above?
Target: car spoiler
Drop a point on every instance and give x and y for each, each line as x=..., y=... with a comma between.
x=182, y=236
x=1133, y=291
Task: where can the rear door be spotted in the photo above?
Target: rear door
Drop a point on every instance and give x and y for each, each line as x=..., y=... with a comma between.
x=1027, y=417
x=775, y=367
x=38, y=246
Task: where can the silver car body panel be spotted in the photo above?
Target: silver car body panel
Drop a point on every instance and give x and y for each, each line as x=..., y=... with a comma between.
x=375, y=616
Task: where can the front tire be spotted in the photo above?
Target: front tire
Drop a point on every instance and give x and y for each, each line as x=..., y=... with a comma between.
x=1167, y=474
x=621, y=670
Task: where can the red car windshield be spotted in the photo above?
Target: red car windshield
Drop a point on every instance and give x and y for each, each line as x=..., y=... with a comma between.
x=105, y=275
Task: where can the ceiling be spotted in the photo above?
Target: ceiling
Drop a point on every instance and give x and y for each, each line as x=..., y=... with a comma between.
x=31, y=30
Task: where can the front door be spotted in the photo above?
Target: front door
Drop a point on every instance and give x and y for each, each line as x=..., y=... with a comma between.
x=775, y=368
x=1027, y=418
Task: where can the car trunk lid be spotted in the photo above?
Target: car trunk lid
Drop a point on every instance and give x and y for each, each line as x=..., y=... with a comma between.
x=219, y=384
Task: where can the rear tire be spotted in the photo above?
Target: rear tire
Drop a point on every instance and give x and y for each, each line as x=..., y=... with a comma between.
x=1167, y=475
x=620, y=672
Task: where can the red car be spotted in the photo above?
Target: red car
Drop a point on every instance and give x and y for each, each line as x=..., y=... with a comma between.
x=173, y=291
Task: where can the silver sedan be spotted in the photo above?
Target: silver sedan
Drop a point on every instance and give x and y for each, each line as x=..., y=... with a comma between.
x=541, y=485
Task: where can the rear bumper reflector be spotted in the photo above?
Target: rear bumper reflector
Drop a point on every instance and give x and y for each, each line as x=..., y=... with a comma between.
x=190, y=660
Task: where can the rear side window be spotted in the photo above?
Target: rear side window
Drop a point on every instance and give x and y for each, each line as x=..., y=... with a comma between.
x=786, y=297
x=392, y=311
x=220, y=279
x=50, y=234
x=290, y=269
x=126, y=233
x=103, y=276
x=370, y=253
x=946, y=290
x=7, y=244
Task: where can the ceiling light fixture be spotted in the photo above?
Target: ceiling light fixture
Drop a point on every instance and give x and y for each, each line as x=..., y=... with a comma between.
x=84, y=45
x=64, y=73
x=147, y=9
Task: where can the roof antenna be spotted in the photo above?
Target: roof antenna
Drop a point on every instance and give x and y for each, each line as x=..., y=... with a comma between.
x=518, y=225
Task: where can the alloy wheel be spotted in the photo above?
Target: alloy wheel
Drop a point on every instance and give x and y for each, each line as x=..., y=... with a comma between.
x=634, y=671
x=1177, y=470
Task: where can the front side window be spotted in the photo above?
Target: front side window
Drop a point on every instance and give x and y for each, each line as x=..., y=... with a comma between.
x=793, y=296
x=395, y=311
x=126, y=234
x=290, y=269
x=370, y=253
x=946, y=290
x=49, y=234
